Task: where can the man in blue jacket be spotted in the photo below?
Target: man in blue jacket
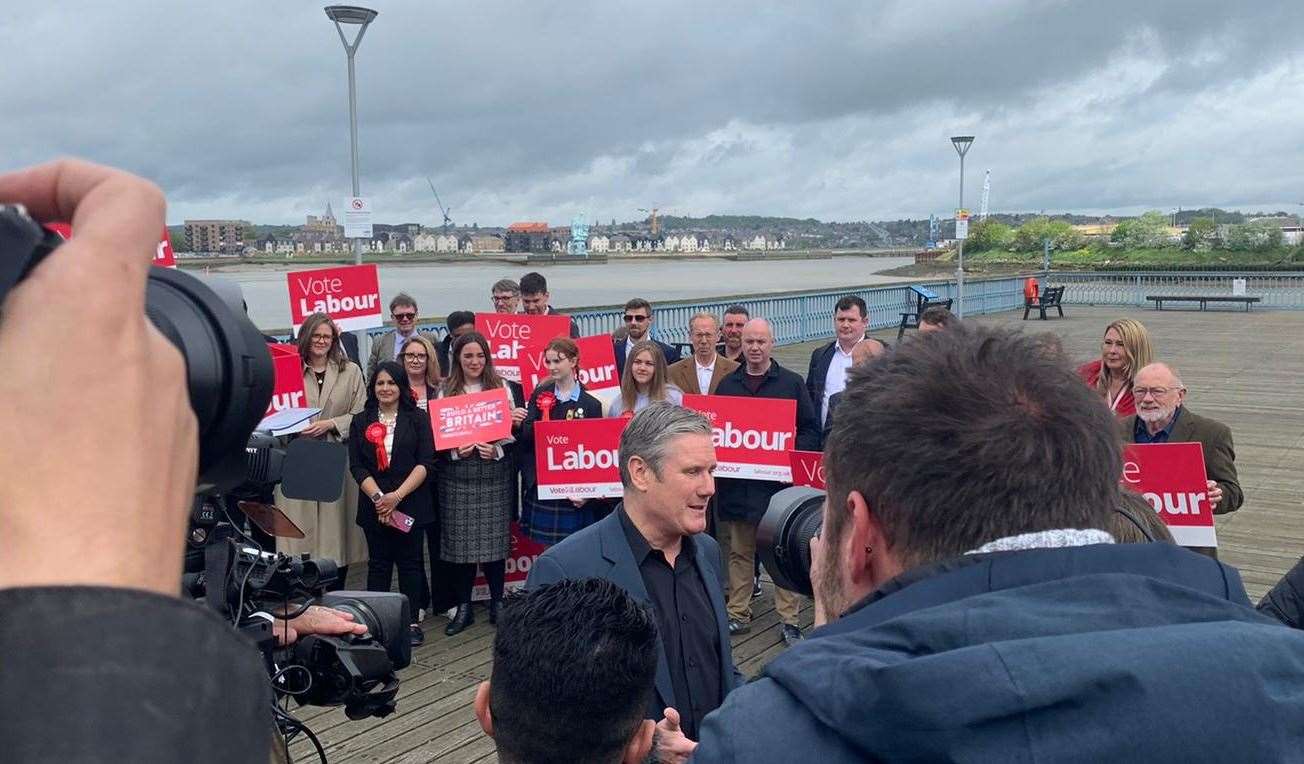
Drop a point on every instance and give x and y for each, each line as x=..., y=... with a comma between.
x=975, y=610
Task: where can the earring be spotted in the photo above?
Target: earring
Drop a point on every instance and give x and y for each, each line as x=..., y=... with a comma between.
x=869, y=550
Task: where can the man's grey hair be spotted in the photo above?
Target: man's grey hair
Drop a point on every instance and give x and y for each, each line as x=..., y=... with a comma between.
x=650, y=432
x=704, y=316
x=506, y=285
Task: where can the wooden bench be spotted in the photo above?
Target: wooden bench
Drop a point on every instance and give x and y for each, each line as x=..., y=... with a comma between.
x=1051, y=297
x=1204, y=300
x=924, y=299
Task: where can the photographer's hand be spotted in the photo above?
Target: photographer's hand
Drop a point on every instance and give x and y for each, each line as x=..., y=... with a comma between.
x=96, y=478
x=316, y=620
x=816, y=565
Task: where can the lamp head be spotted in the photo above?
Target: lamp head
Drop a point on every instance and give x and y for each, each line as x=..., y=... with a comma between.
x=961, y=143
x=350, y=14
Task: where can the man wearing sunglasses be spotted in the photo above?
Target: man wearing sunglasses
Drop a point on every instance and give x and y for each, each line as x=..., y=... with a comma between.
x=638, y=327
x=403, y=309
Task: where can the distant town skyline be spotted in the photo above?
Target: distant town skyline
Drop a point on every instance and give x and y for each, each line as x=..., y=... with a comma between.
x=839, y=111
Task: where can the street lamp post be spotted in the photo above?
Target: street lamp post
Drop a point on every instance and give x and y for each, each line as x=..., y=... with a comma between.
x=353, y=15
x=962, y=144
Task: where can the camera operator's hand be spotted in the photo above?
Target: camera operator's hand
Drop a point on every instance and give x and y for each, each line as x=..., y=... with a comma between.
x=97, y=476
x=317, y=620
x=817, y=565
x=672, y=745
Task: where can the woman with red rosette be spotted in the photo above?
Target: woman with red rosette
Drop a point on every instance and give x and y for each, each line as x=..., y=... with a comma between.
x=391, y=453
x=561, y=397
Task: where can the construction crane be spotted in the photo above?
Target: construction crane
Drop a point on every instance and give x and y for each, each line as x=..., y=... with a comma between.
x=987, y=189
x=448, y=220
x=656, y=223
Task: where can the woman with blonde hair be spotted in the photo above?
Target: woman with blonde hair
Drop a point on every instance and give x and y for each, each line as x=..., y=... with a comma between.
x=420, y=362
x=1123, y=351
x=644, y=382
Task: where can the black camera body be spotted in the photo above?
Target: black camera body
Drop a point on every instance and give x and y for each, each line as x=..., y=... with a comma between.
x=794, y=517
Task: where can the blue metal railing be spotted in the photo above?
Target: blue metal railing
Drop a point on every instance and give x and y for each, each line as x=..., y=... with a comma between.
x=1275, y=289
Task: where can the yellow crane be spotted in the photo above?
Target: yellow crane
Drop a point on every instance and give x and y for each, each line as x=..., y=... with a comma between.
x=656, y=223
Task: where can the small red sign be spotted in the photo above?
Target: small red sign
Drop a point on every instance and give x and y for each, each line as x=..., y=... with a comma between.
x=287, y=392
x=578, y=458
x=349, y=294
x=461, y=420
x=752, y=436
x=163, y=255
x=807, y=468
x=1171, y=477
x=509, y=334
x=597, y=370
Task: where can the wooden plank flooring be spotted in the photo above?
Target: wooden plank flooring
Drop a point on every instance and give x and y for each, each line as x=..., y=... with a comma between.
x=1244, y=369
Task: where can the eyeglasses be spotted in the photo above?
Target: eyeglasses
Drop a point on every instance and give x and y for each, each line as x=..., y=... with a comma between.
x=504, y=297
x=415, y=356
x=1158, y=392
x=404, y=316
x=704, y=335
x=630, y=318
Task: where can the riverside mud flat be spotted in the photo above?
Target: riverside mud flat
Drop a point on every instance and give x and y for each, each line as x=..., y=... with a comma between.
x=443, y=288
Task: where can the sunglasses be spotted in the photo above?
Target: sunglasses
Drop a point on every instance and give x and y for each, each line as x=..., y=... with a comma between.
x=404, y=316
x=632, y=319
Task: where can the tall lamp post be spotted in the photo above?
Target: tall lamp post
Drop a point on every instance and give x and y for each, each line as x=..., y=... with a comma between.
x=962, y=144
x=361, y=17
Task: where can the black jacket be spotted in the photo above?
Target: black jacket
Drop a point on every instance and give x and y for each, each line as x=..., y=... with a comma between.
x=834, y=400
x=1286, y=600
x=748, y=499
x=820, y=359
x=587, y=407
x=414, y=444
x=574, y=327
x=618, y=346
x=100, y=674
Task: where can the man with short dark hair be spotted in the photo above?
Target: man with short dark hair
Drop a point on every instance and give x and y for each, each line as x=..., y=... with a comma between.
x=535, y=297
x=827, y=374
x=935, y=319
x=976, y=609
x=459, y=322
x=403, y=309
x=731, y=329
x=654, y=546
x=638, y=326
x=506, y=295
x=574, y=662
x=860, y=354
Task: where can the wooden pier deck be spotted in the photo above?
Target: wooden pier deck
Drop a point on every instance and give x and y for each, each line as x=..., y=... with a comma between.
x=1244, y=369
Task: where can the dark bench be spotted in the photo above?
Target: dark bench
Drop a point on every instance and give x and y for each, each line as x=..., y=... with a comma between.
x=1051, y=297
x=924, y=299
x=1204, y=300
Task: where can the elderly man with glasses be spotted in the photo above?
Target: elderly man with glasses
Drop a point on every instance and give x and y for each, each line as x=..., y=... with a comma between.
x=638, y=327
x=1161, y=417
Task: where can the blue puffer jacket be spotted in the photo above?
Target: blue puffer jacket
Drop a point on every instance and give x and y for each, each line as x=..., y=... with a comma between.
x=1110, y=652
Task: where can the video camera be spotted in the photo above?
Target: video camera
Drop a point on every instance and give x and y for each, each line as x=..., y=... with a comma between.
x=229, y=379
x=783, y=536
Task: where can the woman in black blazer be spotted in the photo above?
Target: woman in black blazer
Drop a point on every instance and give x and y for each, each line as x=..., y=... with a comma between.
x=391, y=454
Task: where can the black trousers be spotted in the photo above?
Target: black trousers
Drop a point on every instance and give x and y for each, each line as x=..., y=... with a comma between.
x=495, y=572
x=388, y=549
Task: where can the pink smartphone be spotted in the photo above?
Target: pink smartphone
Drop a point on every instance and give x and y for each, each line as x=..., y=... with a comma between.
x=400, y=522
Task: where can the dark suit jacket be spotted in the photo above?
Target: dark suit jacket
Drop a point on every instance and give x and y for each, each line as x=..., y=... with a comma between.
x=1219, y=455
x=834, y=400
x=414, y=444
x=820, y=359
x=602, y=551
x=618, y=346
x=683, y=374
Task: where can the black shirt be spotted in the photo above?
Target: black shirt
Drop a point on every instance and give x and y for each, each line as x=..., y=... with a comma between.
x=685, y=623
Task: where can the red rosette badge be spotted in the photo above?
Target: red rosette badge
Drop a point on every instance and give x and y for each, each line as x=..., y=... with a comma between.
x=546, y=402
x=376, y=434
x=627, y=414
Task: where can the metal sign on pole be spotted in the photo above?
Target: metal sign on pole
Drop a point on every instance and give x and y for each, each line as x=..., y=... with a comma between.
x=357, y=218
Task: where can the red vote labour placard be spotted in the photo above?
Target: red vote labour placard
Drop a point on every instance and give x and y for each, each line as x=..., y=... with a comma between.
x=461, y=420
x=349, y=294
x=807, y=468
x=509, y=334
x=752, y=436
x=578, y=458
x=287, y=391
x=1171, y=477
x=163, y=255
x=524, y=551
x=597, y=370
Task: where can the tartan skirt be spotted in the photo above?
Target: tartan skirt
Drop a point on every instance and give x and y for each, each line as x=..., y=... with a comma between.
x=476, y=497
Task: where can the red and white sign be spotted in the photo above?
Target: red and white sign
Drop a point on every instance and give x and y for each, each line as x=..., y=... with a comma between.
x=509, y=334
x=349, y=294
x=287, y=392
x=163, y=255
x=807, y=468
x=1171, y=477
x=461, y=420
x=578, y=458
x=524, y=551
x=752, y=436
x=597, y=370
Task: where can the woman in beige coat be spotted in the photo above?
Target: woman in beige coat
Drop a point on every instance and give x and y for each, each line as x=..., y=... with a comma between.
x=334, y=384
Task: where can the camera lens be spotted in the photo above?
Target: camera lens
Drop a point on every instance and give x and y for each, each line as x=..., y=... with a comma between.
x=783, y=536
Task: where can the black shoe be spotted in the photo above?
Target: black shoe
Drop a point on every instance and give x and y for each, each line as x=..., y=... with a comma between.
x=493, y=611
x=738, y=627
x=791, y=634
x=756, y=587
x=416, y=635
x=462, y=619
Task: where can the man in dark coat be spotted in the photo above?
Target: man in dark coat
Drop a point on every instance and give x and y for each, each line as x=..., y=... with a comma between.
x=654, y=546
x=827, y=374
x=740, y=503
x=976, y=610
x=638, y=326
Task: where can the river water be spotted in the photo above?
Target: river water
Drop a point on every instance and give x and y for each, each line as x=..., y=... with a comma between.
x=441, y=288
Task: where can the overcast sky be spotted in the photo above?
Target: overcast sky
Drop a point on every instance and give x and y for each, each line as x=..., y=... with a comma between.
x=541, y=110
